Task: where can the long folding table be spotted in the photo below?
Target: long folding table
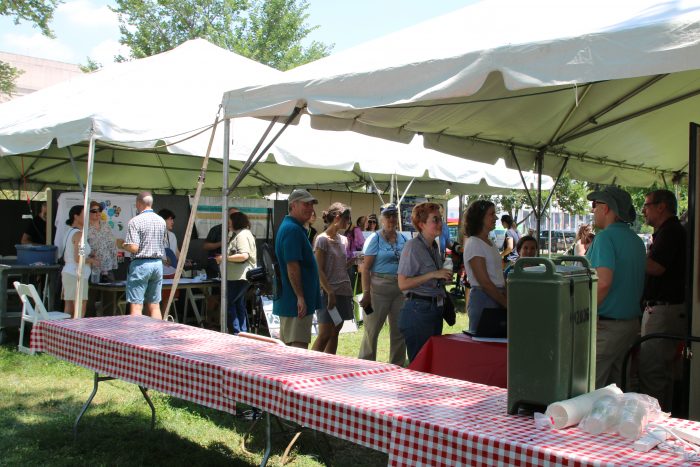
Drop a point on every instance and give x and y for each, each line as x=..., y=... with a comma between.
x=417, y=418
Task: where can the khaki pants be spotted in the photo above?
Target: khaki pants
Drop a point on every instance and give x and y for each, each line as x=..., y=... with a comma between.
x=657, y=356
x=387, y=301
x=614, y=338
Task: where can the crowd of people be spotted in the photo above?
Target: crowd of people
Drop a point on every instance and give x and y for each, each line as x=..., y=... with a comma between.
x=402, y=280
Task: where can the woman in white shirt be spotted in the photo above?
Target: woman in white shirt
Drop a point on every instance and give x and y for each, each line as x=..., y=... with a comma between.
x=71, y=257
x=482, y=261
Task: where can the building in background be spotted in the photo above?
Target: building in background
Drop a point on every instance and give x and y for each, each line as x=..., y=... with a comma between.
x=38, y=73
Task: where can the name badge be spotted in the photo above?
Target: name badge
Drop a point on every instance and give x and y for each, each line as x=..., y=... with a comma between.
x=440, y=301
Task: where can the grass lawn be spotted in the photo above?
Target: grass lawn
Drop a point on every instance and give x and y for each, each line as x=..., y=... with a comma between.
x=40, y=397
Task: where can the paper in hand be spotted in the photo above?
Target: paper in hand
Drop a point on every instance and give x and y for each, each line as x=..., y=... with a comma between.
x=335, y=316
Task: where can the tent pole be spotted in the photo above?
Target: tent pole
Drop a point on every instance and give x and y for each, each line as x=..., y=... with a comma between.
x=253, y=159
x=224, y=226
x=406, y=190
x=190, y=222
x=75, y=168
x=522, y=177
x=375, y=188
x=538, y=211
x=78, y=304
x=556, y=183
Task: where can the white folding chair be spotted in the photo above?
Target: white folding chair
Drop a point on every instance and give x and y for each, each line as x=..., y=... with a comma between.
x=33, y=311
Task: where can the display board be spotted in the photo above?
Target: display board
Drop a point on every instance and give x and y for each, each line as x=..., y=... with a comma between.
x=117, y=210
x=209, y=214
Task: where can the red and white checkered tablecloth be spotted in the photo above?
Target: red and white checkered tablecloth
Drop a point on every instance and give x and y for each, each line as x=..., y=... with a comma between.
x=423, y=419
x=167, y=357
x=285, y=371
x=206, y=367
x=418, y=418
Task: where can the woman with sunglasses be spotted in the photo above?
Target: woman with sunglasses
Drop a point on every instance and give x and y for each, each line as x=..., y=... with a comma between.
x=71, y=256
x=381, y=297
x=421, y=278
x=102, y=243
x=482, y=261
x=329, y=251
x=372, y=223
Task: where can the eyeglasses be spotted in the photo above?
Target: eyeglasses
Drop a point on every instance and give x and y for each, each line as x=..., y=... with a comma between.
x=435, y=219
x=596, y=203
x=650, y=204
x=94, y=211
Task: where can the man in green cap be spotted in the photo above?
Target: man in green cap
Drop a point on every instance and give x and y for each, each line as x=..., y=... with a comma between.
x=618, y=256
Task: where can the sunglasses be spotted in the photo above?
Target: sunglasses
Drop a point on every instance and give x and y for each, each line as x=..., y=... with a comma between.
x=371, y=222
x=596, y=203
x=94, y=211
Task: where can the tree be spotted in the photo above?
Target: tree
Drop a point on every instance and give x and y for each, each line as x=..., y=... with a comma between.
x=8, y=76
x=269, y=31
x=272, y=34
x=90, y=66
x=39, y=12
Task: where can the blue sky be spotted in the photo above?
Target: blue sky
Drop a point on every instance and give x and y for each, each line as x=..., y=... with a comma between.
x=88, y=28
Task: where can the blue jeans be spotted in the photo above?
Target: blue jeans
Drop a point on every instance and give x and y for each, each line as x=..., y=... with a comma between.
x=419, y=321
x=478, y=300
x=237, y=314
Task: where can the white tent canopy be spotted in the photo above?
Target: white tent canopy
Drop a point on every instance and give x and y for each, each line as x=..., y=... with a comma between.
x=145, y=113
x=608, y=86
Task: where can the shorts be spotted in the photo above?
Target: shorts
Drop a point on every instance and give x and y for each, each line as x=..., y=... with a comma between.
x=70, y=283
x=145, y=280
x=344, y=304
x=294, y=329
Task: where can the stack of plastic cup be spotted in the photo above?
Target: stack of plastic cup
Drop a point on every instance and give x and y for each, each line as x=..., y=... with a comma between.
x=633, y=417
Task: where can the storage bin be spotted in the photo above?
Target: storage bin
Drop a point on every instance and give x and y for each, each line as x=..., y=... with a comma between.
x=31, y=254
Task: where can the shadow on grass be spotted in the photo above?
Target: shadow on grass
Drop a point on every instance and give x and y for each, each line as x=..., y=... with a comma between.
x=105, y=439
x=312, y=444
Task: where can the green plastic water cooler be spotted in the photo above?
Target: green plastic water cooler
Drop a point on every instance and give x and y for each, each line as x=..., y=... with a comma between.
x=551, y=331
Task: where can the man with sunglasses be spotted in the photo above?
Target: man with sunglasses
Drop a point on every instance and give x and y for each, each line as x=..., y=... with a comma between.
x=664, y=296
x=618, y=255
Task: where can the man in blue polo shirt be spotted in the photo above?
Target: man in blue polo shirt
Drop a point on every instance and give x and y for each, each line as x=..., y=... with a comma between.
x=618, y=256
x=301, y=287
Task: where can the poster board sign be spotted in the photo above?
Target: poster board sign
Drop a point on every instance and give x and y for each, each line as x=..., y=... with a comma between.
x=117, y=211
x=209, y=214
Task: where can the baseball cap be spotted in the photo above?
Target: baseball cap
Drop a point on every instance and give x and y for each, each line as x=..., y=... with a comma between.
x=301, y=195
x=389, y=208
x=618, y=200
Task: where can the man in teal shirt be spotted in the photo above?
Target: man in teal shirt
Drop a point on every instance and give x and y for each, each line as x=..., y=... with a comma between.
x=301, y=287
x=618, y=256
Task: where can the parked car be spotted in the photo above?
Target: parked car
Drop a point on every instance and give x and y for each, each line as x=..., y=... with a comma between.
x=562, y=240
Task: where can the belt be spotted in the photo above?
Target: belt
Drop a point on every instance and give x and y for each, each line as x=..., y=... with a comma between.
x=157, y=257
x=425, y=298
x=659, y=303
x=384, y=275
x=607, y=318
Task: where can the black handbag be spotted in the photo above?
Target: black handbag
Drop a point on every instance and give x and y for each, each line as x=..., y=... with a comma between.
x=449, y=314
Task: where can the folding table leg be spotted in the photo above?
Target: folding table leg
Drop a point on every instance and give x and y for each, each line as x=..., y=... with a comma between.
x=97, y=380
x=150, y=404
x=268, y=440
